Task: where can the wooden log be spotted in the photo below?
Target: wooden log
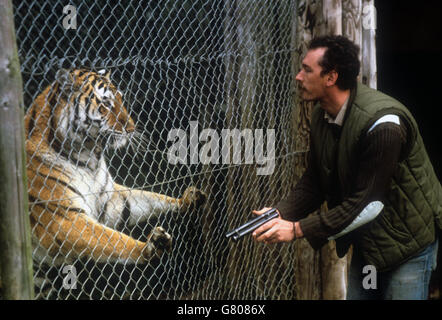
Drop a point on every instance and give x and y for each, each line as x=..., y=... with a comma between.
x=15, y=239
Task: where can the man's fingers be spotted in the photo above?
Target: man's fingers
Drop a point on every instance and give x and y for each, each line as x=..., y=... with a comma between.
x=276, y=230
x=259, y=212
x=270, y=236
x=265, y=231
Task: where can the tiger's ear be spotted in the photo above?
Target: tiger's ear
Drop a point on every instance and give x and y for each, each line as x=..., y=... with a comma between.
x=64, y=78
x=104, y=73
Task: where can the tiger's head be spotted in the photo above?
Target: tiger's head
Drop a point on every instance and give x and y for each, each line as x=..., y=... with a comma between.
x=92, y=112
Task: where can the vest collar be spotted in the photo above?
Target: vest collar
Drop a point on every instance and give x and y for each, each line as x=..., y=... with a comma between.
x=339, y=120
x=345, y=110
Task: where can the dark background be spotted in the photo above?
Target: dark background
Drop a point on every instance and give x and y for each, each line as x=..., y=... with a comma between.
x=409, y=52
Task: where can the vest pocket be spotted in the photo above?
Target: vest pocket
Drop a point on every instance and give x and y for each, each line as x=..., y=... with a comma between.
x=391, y=230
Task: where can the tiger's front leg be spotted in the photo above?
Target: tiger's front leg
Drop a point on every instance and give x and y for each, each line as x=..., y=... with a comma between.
x=144, y=205
x=136, y=206
x=129, y=207
x=192, y=199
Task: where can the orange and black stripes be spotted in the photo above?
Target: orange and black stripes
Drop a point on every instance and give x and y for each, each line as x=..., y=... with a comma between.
x=59, y=220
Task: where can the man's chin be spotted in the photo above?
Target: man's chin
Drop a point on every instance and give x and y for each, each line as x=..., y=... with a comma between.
x=307, y=98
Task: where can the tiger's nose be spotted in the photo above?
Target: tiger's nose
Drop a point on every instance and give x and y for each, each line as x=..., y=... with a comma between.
x=130, y=125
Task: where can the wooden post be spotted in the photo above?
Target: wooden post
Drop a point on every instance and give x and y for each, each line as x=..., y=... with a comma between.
x=15, y=240
x=319, y=18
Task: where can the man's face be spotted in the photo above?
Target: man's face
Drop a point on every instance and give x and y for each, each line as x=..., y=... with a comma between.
x=312, y=84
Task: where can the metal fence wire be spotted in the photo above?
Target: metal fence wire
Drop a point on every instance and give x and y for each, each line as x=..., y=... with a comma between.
x=187, y=73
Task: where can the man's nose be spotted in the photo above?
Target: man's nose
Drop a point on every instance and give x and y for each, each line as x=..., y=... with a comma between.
x=299, y=76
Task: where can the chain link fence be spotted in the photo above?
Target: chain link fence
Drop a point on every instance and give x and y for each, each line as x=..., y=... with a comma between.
x=203, y=66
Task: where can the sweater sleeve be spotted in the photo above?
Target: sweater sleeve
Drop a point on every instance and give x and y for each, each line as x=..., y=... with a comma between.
x=379, y=156
x=305, y=198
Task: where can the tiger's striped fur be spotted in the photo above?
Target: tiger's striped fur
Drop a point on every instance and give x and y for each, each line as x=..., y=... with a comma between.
x=75, y=206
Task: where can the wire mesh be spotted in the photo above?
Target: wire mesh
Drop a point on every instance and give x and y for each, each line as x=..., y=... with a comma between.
x=201, y=68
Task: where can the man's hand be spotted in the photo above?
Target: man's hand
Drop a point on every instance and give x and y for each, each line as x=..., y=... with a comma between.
x=276, y=230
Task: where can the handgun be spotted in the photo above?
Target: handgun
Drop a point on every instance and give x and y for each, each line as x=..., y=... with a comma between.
x=253, y=224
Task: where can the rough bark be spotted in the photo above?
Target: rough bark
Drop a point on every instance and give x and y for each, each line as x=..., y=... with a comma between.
x=15, y=243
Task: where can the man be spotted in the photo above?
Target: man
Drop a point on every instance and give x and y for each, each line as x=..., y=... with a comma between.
x=365, y=147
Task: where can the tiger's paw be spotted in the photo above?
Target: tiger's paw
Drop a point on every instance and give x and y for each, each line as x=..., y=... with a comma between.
x=161, y=240
x=193, y=198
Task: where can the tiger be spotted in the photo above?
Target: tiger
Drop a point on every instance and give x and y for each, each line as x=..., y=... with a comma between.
x=76, y=208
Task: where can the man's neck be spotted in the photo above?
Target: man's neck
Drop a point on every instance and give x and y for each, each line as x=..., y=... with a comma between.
x=333, y=102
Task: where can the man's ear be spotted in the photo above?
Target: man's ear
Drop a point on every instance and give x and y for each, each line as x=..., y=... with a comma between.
x=331, y=79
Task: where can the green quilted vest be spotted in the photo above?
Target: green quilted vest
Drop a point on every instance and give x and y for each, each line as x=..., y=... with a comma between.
x=414, y=202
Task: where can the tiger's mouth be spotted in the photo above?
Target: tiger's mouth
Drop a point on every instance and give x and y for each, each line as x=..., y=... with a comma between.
x=111, y=139
x=133, y=140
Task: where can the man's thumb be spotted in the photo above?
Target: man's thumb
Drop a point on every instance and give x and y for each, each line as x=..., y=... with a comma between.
x=261, y=211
